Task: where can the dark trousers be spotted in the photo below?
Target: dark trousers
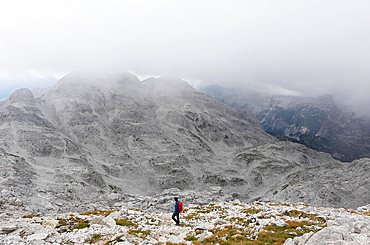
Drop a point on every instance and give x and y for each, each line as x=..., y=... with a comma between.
x=174, y=216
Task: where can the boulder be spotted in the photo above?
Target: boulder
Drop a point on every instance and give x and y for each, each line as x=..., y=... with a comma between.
x=176, y=239
x=124, y=243
x=105, y=221
x=220, y=222
x=8, y=228
x=38, y=236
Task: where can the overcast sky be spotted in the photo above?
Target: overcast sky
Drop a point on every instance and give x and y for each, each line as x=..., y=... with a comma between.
x=291, y=47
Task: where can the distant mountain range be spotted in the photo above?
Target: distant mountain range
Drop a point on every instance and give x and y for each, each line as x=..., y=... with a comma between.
x=95, y=136
x=319, y=123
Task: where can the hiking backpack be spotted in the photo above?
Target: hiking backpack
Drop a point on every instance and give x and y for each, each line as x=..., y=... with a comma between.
x=180, y=207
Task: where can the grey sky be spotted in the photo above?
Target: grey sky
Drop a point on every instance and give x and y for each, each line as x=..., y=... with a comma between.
x=291, y=47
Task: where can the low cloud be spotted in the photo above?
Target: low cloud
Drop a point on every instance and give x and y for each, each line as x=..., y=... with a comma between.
x=285, y=47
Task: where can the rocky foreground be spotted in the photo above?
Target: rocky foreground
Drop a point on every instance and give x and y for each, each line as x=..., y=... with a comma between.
x=222, y=221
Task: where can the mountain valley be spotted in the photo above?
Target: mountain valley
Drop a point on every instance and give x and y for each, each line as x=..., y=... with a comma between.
x=321, y=123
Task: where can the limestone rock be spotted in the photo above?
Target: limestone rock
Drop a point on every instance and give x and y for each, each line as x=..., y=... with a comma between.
x=176, y=239
x=38, y=236
x=106, y=221
x=8, y=228
x=220, y=222
x=124, y=243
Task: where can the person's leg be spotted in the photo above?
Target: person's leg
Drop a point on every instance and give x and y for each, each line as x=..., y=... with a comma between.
x=178, y=219
x=173, y=217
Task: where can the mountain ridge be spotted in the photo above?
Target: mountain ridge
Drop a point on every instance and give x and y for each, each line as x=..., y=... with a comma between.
x=84, y=145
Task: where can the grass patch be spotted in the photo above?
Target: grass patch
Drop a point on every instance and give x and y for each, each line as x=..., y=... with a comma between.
x=124, y=222
x=30, y=216
x=252, y=210
x=232, y=235
x=278, y=235
x=190, y=238
x=73, y=222
x=239, y=221
x=117, y=239
x=93, y=238
x=208, y=209
x=99, y=212
x=139, y=233
x=300, y=214
x=192, y=216
x=273, y=238
x=280, y=204
x=81, y=225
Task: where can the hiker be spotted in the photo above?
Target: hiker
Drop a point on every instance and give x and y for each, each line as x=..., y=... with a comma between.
x=178, y=210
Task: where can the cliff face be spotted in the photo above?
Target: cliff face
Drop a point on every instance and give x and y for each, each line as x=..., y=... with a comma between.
x=319, y=123
x=95, y=136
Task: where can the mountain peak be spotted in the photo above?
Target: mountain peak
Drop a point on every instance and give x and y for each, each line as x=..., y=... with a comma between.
x=100, y=78
x=23, y=94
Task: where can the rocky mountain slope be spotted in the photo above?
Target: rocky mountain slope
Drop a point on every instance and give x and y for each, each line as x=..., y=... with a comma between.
x=319, y=123
x=96, y=136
